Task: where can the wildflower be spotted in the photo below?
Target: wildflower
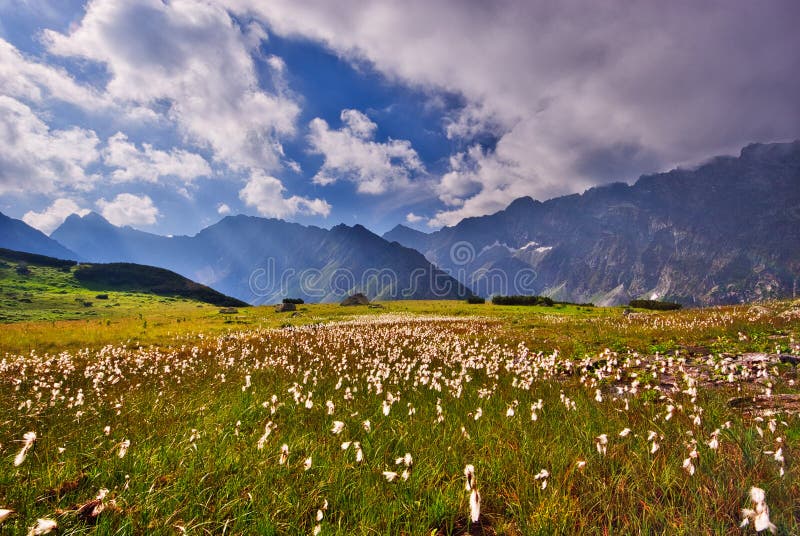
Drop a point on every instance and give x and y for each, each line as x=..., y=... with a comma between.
x=284, y=454
x=689, y=466
x=759, y=513
x=542, y=475
x=123, y=448
x=330, y=406
x=42, y=526
x=625, y=432
x=580, y=464
x=598, y=395
x=386, y=407
x=359, y=452
x=107, y=430
x=474, y=505
x=5, y=513
x=307, y=464
x=510, y=411
x=478, y=413
x=263, y=439
x=346, y=445
x=320, y=515
x=338, y=426
x=389, y=475
x=366, y=425
x=28, y=439
x=601, y=442
x=469, y=475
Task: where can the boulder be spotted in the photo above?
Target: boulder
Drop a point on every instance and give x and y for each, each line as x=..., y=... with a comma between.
x=285, y=307
x=356, y=299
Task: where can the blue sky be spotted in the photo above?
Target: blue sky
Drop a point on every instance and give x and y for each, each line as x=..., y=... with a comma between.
x=168, y=115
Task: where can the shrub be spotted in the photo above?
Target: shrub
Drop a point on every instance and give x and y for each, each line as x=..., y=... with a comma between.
x=102, y=297
x=22, y=268
x=476, y=300
x=296, y=301
x=655, y=305
x=523, y=300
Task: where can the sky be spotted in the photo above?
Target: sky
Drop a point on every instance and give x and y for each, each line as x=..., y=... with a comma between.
x=167, y=115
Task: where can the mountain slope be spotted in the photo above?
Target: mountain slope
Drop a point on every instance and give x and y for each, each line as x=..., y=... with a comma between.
x=37, y=287
x=262, y=260
x=726, y=232
x=19, y=236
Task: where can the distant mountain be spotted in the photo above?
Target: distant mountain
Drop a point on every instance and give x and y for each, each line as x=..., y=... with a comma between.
x=19, y=236
x=725, y=232
x=263, y=260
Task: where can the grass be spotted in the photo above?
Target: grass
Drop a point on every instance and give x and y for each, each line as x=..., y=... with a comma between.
x=193, y=390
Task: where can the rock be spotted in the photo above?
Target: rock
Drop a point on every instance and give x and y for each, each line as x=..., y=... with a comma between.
x=285, y=307
x=356, y=299
x=790, y=359
x=229, y=311
x=761, y=404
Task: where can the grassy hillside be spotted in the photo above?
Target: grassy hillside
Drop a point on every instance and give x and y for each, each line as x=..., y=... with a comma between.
x=183, y=419
x=35, y=287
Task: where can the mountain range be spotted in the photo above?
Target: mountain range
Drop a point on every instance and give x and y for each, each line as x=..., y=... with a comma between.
x=727, y=231
x=263, y=260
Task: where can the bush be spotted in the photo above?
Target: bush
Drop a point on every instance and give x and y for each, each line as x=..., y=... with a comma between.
x=476, y=300
x=655, y=305
x=102, y=296
x=22, y=268
x=296, y=301
x=523, y=300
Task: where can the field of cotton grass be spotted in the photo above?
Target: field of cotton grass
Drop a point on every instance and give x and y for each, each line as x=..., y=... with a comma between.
x=485, y=421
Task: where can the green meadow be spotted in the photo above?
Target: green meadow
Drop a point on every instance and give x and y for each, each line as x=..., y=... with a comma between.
x=360, y=420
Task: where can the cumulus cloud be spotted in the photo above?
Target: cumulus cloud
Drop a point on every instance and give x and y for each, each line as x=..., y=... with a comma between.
x=129, y=209
x=575, y=93
x=413, y=218
x=149, y=164
x=190, y=62
x=223, y=209
x=30, y=80
x=266, y=194
x=51, y=217
x=351, y=153
x=34, y=158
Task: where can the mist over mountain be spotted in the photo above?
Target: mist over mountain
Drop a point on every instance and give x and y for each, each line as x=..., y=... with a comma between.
x=19, y=236
x=263, y=260
x=725, y=232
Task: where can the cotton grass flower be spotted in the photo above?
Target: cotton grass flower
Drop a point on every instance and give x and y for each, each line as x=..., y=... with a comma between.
x=5, y=513
x=42, y=526
x=307, y=464
x=389, y=475
x=27, y=443
x=474, y=505
x=337, y=428
x=759, y=514
x=469, y=477
x=284, y=454
x=625, y=432
x=123, y=448
x=601, y=442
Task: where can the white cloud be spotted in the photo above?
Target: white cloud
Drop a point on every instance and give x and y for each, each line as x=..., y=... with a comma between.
x=577, y=93
x=34, y=158
x=351, y=154
x=265, y=194
x=32, y=81
x=413, y=218
x=189, y=61
x=223, y=209
x=150, y=164
x=129, y=209
x=54, y=215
